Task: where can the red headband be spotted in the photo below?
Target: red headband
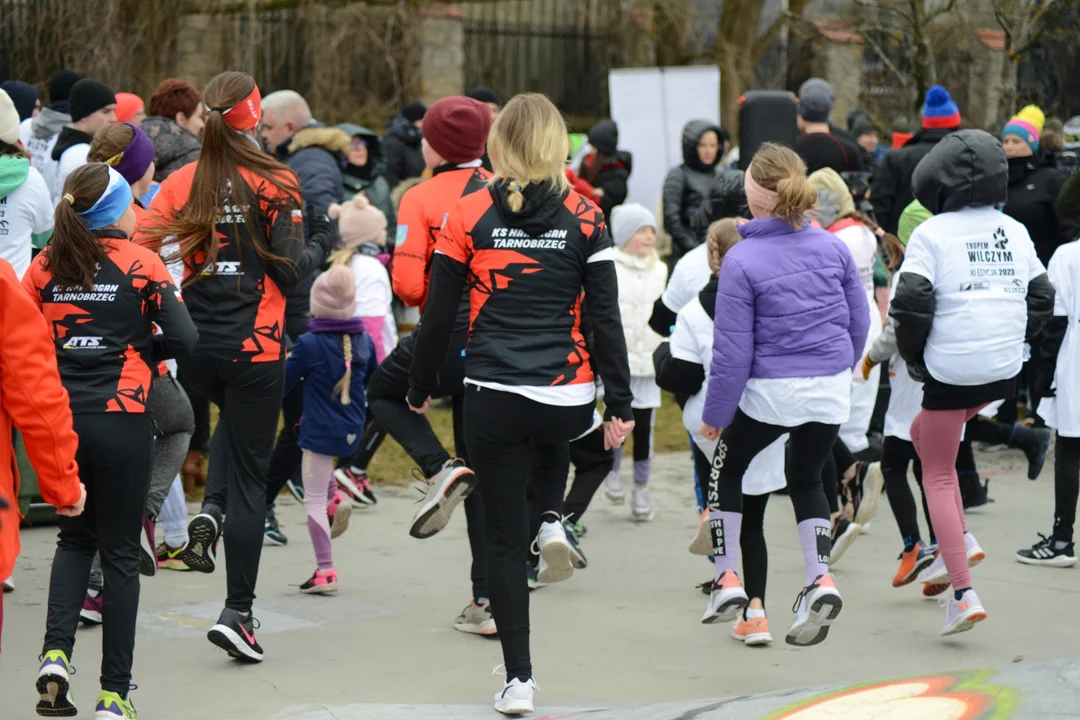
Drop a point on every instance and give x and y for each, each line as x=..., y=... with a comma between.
x=245, y=114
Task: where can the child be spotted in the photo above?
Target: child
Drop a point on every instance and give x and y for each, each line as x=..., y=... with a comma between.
x=335, y=359
x=969, y=292
x=683, y=366
x=641, y=278
x=606, y=167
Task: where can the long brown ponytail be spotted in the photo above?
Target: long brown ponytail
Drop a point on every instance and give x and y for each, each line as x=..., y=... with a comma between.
x=74, y=254
x=218, y=182
x=344, y=385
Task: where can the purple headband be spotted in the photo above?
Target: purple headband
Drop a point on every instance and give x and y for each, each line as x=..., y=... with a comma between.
x=133, y=160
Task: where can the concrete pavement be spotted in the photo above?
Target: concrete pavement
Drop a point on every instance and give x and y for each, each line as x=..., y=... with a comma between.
x=622, y=635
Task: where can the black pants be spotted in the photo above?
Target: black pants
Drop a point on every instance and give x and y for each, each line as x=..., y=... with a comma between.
x=374, y=434
x=979, y=429
x=200, y=406
x=1066, y=486
x=508, y=434
x=745, y=437
x=895, y=457
x=114, y=465
x=249, y=397
x=285, y=460
x=643, y=433
x=592, y=463
x=386, y=399
x=830, y=478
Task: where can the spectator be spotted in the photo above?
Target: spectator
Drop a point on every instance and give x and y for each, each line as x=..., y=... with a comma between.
x=175, y=121
x=892, y=180
x=820, y=145
x=606, y=167
x=44, y=129
x=486, y=96
x=130, y=108
x=687, y=185
x=25, y=97
x=401, y=144
x=866, y=136
x=901, y=131
x=365, y=170
x=93, y=106
x=25, y=205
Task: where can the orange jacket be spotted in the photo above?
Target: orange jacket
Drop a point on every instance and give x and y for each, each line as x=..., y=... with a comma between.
x=34, y=401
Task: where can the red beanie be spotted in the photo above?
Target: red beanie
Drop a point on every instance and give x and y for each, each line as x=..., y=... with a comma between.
x=457, y=128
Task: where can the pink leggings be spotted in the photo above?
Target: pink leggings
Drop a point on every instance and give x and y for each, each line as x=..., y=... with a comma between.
x=936, y=436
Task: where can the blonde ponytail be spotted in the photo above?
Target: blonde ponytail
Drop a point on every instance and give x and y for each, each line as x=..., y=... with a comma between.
x=781, y=170
x=528, y=144
x=345, y=383
x=514, y=199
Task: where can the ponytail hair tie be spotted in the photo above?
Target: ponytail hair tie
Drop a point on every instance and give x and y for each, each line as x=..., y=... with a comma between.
x=880, y=232
x=348, y=364
x=70, y=198
x=115, y=159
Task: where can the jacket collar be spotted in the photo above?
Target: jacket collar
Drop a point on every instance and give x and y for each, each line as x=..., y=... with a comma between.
x=633, y=261
x=761, y=227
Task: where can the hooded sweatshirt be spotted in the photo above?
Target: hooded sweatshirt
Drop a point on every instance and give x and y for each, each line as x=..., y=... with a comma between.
x=39, y=141
x=686, y=187
x=70, y=152
x=26, y=212
x=404, y=158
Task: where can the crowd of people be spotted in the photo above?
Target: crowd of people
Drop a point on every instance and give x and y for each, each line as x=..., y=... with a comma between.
x=224, y=247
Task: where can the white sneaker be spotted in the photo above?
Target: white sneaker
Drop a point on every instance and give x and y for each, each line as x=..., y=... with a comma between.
x=871, y=494
x=641, y=507
x=516, y=697
x=938, y=574
x=613, y=489
x=816, y=609
x=961, y=615
x=556, y=553
x=476, y=620
x=975, y=554
x=726, y=599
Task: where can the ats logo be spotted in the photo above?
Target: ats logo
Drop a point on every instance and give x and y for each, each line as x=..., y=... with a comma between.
x=224, y=267
x=84, y=343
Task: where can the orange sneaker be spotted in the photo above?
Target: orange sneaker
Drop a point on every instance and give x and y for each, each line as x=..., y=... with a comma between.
x=752, y=631
x=912, y=562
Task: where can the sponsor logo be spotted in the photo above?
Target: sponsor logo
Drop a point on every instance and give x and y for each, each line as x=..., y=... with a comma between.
x=84, y=343
x=1017, y=286
x=224, y=267
x=402, y=235
x=1000, y=239
x=515, y=239
x=973, y=286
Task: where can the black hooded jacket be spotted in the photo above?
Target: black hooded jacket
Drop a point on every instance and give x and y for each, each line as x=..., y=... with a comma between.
x=371, y=178
x=890, y=191
x=967, y=169
x=686, y=187
x=401, y=144
x=609, y=170
x=1034, y=186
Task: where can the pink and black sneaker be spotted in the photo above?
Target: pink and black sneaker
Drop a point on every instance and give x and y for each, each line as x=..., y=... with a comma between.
x=147, y=550
x=356, y=485
x=91, y=608
x=321, y=582
x=339, y=509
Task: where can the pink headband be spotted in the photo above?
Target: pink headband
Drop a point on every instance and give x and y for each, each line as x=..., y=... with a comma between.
x=758, y=196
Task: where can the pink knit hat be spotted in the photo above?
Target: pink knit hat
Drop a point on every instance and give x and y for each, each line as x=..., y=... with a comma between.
x=333, y=296
x=359, y=222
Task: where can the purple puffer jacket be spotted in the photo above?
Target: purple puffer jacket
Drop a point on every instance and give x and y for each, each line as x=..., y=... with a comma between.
x=790, y=304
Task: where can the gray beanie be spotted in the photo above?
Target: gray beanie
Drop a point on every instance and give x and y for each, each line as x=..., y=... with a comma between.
x=815, y=100
x=627, y=220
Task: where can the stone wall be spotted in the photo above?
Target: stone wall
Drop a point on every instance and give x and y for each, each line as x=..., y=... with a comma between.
x=442, y=52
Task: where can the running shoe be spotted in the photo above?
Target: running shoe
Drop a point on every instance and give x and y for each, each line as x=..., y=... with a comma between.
x=54, y=686
x=9, y=585
x=111, y=706
x=641, y=506
x=577, y=557
x=702, y=542
x=815, y=610
x=321, y=583
x=516, y=697
x=204, y=531
x=532, y=573
x=844, y=533
x=272, y=534
x=912, y=562
x=445, y=491
x=1035, y=442
x=872, y=485
x=476, y=620
x=578, y=528
x=147, y=555
x=1045, y=552
x=613, y=489
x=91, y=608
x=556, y=553
x=937, y=573
x=356, y=485
x=752, y=631
x=169, y=559
x=296, y=489
x=339, y=510
x=974, y=492
x=236, y=635
x=726, y=599
x=961, y=615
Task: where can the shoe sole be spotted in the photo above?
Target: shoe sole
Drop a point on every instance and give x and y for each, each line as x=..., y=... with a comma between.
x=320, y=589
x=175, y=565
x=515, y=707
x=54, y=700
x=727, y=611
x=147, y=556
x=966, y=623
x=227, y=639
x=271, y=541
x=487, y=629
x=917, y=568
x=435, y=514
x=872, y=487
x=844, y=542
x=943, y=576
x=369, y=499
x=198, y=554
x=341, y=520
x=702, y=542
x=643, y=517
x=89, y=617
x=823, y=612
x=577, y=558
x=931, y=590
x=754, y=639
x=1057, y=562
x=557, y=556
x=356, y=495
x=614, y=498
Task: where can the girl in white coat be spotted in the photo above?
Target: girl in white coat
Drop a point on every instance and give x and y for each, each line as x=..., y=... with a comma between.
x=641, y=277
x=26, y=217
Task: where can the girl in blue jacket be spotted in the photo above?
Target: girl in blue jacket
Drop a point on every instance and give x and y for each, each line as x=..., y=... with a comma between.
x=335, y=359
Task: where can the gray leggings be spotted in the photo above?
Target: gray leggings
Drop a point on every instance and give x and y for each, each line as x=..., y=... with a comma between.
x=174, y=424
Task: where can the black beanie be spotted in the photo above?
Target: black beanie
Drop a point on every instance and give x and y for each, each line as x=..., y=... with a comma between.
x=87, y=97
x=483, y=94
x=60, y=85
x=413, y=111
x=23, y=95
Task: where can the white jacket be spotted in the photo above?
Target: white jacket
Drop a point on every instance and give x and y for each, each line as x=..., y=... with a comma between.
x=641, y=283
x=1062, y=412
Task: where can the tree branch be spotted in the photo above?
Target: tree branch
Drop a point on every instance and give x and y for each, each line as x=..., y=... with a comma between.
x=763, y=43
x=880, y=52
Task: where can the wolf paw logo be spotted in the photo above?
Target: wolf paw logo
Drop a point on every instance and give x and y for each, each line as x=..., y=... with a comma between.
x=1000, y=239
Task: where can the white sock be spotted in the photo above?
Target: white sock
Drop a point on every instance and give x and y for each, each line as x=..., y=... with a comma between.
x=93, y=593
x=754, y=613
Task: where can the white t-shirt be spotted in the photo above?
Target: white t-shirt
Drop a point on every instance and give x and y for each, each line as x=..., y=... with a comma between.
x=692, y=341
x=74, y=157
x=690, y=275
x=979, y=261
x=40, y=150
x=1062, y=412
x=790, y=402
x=24, y=212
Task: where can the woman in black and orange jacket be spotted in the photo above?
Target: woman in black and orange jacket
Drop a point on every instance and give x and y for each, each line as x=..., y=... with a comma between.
x=100, y=296
x=534, y=255
x=233, y=218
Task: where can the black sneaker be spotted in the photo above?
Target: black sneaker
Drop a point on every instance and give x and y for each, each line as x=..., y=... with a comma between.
x=296, y=489
x=272, y=534
x=236, y=636
x=973, y=491
x=204, y=531
x=1035, y=442
x=577, y=557
x=1046, y=553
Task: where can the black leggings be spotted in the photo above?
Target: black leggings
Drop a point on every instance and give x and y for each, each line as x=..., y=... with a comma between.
x=895, y=456
x=507, y=433
x=114, y=465
x=755, y=555
x=592, y=463
x=374, y=434
x=745, y=437
x=1066, y=486
x=643, y=433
